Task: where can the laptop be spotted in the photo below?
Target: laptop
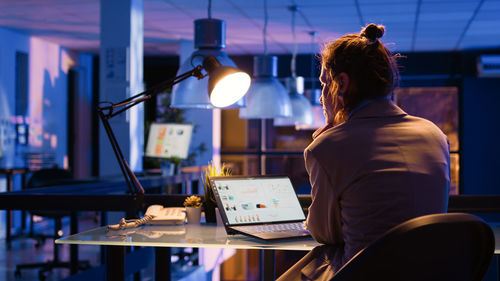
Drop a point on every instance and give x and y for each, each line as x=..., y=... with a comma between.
x=264, y=207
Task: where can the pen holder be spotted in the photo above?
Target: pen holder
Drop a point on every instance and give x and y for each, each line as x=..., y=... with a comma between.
x=193, y=214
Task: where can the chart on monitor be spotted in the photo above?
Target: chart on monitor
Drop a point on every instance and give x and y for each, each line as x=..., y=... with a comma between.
x=167, y=140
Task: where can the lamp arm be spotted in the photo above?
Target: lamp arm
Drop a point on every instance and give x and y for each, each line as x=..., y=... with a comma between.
x=106, y=113
x=155, y=90
x=133, y=183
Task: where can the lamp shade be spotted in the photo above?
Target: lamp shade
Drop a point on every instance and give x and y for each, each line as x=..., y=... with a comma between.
x=267, y=97
x=226, y=84
x=209, y=39
x=302, y=112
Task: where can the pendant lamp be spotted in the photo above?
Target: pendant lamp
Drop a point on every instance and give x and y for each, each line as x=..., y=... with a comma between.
x=302, y=112
x=267, y=97
x=209, y=40
x=319, y=117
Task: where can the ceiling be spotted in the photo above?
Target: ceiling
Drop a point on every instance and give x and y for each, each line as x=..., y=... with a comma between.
x=411, y=25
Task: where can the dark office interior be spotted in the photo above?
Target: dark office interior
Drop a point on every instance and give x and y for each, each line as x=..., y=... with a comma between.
x=65, y=65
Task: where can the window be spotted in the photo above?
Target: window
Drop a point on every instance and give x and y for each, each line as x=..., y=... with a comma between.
x=439, y=105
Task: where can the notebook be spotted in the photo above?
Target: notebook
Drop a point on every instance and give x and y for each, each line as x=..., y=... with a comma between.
x=265, y=207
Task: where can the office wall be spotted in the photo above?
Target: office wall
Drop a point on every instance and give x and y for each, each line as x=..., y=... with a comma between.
x=481, y=139
x=46, y=111
x=481, y=152
x=17, y=42
x=82, y=117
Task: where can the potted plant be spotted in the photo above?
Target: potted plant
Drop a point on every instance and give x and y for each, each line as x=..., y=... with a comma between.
x=209, y=199
x=193, y=208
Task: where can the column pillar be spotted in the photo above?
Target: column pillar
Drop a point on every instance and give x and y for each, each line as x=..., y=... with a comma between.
x=121, y=76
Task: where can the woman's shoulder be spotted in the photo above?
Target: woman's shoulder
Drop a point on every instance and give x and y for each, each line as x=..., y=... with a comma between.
x=424, y=124
x=329, y=138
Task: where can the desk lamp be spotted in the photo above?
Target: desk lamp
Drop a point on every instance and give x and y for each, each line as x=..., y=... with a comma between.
x=209, y=40
x=226, y=85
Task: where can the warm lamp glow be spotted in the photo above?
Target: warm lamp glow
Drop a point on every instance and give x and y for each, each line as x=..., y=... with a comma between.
x=226, y=85
x=230, y=89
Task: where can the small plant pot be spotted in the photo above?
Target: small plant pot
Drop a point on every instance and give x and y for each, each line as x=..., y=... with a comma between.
x=193, y=214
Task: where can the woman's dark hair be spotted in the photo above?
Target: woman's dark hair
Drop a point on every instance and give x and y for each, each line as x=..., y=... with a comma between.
x=371, y=67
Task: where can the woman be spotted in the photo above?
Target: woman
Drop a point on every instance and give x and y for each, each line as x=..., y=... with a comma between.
x=372, y=166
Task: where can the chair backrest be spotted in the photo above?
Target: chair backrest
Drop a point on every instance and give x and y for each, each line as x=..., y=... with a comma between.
x=49, y=177
x=454, y=246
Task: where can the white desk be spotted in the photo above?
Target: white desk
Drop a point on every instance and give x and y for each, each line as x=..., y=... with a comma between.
x=187, y=235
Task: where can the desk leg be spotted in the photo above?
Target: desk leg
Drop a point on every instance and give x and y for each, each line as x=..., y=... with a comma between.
x=115, y=263
x=8, y=221
x=267, y=264
x=73, y=248
x=162, y=264
x=129, y=250
x=23, y=212
x=104, y=222
x=498, y=265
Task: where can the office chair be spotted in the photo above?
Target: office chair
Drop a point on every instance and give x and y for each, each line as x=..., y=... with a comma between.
x=455, y=246
x=41, y=178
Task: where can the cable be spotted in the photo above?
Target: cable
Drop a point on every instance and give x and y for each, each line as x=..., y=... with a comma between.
x=306, y=20
x=209, y=9
x=264, y=31
x=130, y=223
x=293, y=9
x=313, y=37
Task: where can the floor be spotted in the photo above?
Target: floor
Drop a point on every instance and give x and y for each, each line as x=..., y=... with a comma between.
x=23, y=250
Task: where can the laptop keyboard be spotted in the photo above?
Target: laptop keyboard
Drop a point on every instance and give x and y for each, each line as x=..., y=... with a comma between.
x=283, y=227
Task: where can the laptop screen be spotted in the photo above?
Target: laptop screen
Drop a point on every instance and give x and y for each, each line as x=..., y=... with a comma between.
x=262, y=199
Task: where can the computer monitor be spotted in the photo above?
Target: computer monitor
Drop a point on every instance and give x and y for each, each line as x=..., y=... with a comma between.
x=167, y=140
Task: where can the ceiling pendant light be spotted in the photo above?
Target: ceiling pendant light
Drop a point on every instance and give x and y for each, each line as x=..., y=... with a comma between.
x=266, y=98
x=314, y=93
x=302, y=112
x=209, y=40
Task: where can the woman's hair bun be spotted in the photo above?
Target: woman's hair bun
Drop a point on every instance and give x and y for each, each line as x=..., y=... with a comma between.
x=373, y=31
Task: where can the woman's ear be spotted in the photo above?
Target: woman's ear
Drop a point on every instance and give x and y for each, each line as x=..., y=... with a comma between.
x=343, y=83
